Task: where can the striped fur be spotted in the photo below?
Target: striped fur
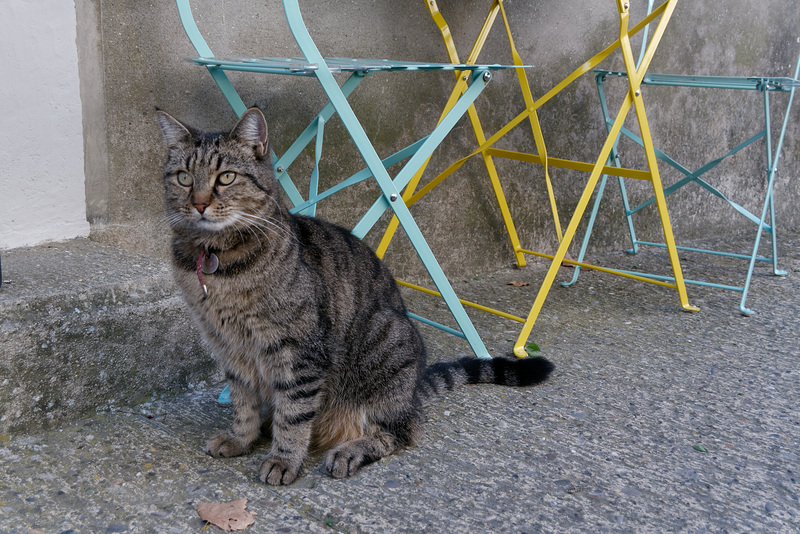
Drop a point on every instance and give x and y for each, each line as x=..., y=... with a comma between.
x=306, y=322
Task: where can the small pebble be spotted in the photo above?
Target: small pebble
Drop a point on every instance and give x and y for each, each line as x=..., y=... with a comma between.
x=769, y=507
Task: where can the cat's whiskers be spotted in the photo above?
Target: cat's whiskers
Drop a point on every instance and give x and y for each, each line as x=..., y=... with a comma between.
x=241, y=235
x=173, y=219
x=277, y=227
x=253, y=226
x=239, y=223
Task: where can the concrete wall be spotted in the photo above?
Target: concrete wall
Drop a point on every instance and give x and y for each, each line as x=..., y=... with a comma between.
x=41, y=138
x=132, y=62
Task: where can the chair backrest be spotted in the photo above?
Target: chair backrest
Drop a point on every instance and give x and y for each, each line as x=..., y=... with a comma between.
x=645, y=33
x=203, y=50
x=190, y=27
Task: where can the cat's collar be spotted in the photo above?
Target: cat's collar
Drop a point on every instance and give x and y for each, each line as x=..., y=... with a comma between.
x=207, y=263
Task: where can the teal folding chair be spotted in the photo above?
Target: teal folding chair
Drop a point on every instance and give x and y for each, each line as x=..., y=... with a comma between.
x=765, y=222
x=313, y=65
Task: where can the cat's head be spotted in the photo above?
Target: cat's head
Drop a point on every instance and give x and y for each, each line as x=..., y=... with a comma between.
x=219, y=184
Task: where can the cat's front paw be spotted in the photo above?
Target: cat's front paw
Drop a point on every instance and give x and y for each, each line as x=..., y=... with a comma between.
x=226, y=446
x=343, y=461
x=278, y=471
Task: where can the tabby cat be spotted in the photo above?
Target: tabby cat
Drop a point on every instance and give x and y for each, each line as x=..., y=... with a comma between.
x=305, y=321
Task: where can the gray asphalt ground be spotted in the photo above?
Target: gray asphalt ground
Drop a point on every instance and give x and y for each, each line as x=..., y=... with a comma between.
x=655, y=420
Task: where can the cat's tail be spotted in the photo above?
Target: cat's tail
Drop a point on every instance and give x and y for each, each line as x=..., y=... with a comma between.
x=447, y=376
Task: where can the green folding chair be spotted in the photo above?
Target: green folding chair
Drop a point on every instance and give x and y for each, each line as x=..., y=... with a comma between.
x=313, y=65
x=765, y=85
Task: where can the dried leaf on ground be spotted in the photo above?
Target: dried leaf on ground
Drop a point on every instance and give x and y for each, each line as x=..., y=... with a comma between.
x=228, y=516
x=517, y=284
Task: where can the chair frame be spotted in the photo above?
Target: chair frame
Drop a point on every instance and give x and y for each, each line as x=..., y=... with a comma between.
x=313, y=65
x=765, y=85
x=634, y=99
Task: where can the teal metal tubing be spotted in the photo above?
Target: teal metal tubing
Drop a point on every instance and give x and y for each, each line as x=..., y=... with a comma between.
x=695, y=176
x=437, y=325
x=613, y=159
x=763, y=84
x=220, y=64
x=446, y=124
x=706, y=251
x=768, y=201
x=291, y=154
x=362, y=175
x=672, y=279
x=387, y=186
x=202, y=48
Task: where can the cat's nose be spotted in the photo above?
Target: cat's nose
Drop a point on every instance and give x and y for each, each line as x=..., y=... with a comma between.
x=200, y=207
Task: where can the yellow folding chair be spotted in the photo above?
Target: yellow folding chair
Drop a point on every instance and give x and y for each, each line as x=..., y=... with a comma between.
x=634, y=99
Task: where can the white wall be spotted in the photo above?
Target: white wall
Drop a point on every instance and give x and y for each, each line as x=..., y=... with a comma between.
x=42, y=194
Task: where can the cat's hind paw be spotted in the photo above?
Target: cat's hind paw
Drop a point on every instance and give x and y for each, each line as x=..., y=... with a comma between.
x=226, y=446
x=278, y=471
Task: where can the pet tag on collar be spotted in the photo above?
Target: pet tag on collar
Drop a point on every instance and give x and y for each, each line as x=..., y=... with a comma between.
x=210, y=263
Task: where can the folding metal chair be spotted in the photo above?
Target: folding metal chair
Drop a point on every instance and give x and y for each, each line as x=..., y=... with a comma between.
x=486, y=149
x=313, y=65
x=761, y=84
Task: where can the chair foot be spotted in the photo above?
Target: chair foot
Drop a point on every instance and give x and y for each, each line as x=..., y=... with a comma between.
x=779, y=272
x=225, y=397
x=746, y=311
x=690, y=308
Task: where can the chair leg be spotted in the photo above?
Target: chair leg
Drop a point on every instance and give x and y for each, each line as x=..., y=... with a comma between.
x=775, y=270
x=614, y=160
x=767, y=204
x=391, y=195
x=632, y=99
x=587, y=236
x=769, y=207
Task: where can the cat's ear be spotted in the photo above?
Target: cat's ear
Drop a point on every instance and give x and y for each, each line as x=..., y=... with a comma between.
x=251, y=131
x=175, y=133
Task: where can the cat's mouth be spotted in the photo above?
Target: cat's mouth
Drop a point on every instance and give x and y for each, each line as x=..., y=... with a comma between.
x=208, y=224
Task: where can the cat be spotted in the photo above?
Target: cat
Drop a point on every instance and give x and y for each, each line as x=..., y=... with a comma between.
x=306, y=322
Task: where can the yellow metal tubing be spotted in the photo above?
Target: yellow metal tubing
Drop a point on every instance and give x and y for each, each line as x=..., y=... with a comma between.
x=464, y=302
x=616, y=272
x=455, y=94
x=485, y=148
x=633, y=98
x=519, y=346
x=497, y=187
x=536, y=128
x=491, y=169
x=570, y=164
x=488, y=22
x=533, y=158
x=583, y=69
x=644, y=127
x=444, y=29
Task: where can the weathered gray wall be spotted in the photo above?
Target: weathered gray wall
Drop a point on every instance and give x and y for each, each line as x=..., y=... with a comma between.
x=132, y=56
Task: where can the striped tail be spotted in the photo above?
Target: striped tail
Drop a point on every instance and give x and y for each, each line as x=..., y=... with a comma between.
x=447, y=376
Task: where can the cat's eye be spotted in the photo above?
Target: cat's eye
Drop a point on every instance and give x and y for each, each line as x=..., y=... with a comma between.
x=226, y=178
x=185, y=179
